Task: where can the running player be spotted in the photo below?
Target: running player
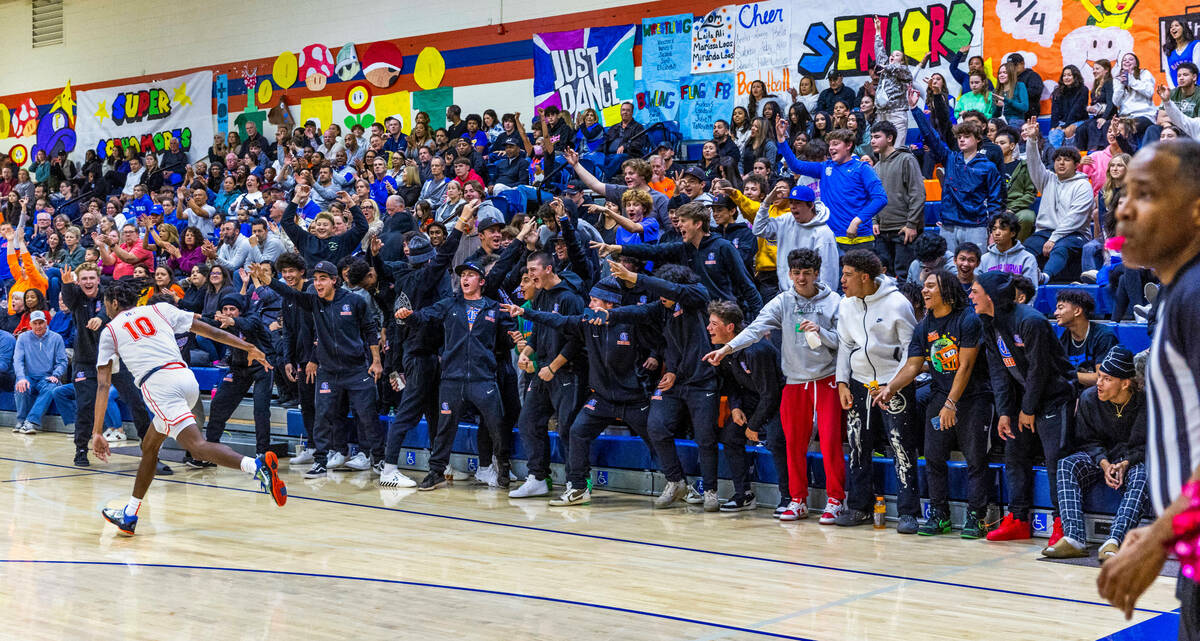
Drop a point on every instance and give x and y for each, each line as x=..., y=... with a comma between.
x=144, y=338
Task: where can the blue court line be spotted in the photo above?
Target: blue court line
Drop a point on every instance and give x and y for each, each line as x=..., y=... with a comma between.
x=1163, y=626
x=418, y=584
x=613, y=539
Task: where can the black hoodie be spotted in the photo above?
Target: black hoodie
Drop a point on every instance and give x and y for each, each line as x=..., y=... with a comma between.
x=685, y=327
x=1027, y=363
x=563, y=299
x=715, y=261
x=424, y=285
x=614, y=350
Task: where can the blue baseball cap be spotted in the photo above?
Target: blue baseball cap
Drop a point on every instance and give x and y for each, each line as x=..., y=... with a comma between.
x=803, y=193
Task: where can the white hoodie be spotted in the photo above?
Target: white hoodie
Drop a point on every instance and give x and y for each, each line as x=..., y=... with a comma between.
x=874, y=334
x=789, y=234
x=801, y=363
x=1066, y=206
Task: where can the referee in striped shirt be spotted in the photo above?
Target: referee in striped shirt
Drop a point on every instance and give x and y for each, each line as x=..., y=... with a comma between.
x=1159, y=216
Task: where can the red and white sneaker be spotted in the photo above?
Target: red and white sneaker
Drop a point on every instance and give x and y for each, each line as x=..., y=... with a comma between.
x=833, y=508
x=794, y=512
x=1057, y=533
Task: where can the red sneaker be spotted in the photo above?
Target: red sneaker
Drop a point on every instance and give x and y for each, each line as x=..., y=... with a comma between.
x=1057, y=533
x=1010, y=529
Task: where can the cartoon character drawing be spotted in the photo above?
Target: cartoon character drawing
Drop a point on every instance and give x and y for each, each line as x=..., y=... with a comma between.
x=1086, y=44
x=1110, y=13
x=943, y=355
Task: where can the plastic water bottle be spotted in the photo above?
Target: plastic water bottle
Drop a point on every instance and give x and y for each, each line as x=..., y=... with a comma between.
x=880, y=513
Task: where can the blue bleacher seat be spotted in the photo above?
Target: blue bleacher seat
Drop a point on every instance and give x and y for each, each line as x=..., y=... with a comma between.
x=933, y=211
x=1047, y=295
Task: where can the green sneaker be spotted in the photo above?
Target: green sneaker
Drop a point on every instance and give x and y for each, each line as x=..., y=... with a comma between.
x=973, y=527
x=937, y=523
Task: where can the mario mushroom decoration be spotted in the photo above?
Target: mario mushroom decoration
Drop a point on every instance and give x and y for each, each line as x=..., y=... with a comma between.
x=315, y=66
x=25, y=119
x=382, y=63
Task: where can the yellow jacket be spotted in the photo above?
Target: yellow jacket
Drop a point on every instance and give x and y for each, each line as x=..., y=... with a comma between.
x=764, y=259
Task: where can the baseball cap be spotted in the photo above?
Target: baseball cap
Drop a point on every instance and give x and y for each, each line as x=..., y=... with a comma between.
x=420, y=251
x=803, y=193
x=489, y=219
x=724, y=202
x=574, y=187
x=37, y=316
x=697, y=173
x=325, y=267
x=468, y=265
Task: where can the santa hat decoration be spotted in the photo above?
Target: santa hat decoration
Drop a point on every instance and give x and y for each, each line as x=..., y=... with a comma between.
x=316, y=64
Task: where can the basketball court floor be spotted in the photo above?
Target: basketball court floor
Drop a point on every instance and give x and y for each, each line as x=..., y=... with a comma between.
x=214, y=559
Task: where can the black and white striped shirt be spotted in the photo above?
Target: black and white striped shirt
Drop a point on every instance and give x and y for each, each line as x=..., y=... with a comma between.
x=1172, y=379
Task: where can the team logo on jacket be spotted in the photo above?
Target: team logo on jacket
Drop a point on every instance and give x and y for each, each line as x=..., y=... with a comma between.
x=445, y=408
x=555, y=309
x=745, y=367
x=491, y=315
x=324, y=387
x=590, y=405
x=1005, y=355
x=1017, y=340
x=712, y=259
x=623, y=338
x=897, y=404
x=79, y=376
x=346, y=309
x=641, y=300
x=829, y=171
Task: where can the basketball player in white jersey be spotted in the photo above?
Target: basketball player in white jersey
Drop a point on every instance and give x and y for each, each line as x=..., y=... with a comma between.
x=144, y=338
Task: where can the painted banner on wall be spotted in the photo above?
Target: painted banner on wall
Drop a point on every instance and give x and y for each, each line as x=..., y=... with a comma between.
x=713, y=40
x=1075, y=33
x=656, y=101
x=582, y=68
x=763, y=35
x=841, y=35
x=148, y=116
x=666, y=47
x=703, y=99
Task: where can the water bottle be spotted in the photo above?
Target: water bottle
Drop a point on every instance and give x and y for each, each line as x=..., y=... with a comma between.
x=880, y=513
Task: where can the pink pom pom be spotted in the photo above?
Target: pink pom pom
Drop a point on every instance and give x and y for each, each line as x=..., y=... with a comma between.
x=1115, y=243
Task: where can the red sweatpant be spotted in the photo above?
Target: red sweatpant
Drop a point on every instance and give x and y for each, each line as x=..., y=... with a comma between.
x=796, y=413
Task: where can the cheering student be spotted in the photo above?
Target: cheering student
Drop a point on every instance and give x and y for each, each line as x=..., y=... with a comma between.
x=948, y=338
x=297, y=325
x=875, y=325
x=243, y=374
x=473, y=330
x=687, y=385
x=614, y=350
x=805, y=315
x=754, y=384
x=714, y=261
x=345, y=366
x=1029, y=381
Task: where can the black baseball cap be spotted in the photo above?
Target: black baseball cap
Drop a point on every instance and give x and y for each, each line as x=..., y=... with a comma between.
x=575, y=186
x=697, y=173
x=468, y=265
x=724, y=202
x=325, y=267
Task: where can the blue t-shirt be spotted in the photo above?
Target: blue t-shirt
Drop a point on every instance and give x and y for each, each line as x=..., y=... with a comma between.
x=649, y=234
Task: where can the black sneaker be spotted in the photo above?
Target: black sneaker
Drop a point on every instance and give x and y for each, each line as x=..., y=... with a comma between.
x=193, y=463
x=317, y=471
x=973, y=526
x=503, y=479
x=163, y=470
x=291, y=403
x=740, y=503
x=432, y=481
x=937, y=523
x=851, y=518
x=81, y=459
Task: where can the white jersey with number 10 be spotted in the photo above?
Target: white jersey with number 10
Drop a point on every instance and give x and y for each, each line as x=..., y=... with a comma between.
x=144, y=338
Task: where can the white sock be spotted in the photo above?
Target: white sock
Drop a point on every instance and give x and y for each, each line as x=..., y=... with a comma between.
x=132, y=507
x=388, y=468
x=1113, y=541
x=248, y=465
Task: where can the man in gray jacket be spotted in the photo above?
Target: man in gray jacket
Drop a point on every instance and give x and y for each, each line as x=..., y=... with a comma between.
x=805, y=315
x=902, y=219
x=875, y=325
x=40, y=361
x=1064, y=219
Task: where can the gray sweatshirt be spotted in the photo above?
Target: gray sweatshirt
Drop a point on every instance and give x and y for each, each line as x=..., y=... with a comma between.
x=904, y=184
x=789, y=234
x=1066, y=206
x=801, y=363
x=1017, y=260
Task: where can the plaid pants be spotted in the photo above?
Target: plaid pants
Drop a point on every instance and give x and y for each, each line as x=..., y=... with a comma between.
x=1077, y=473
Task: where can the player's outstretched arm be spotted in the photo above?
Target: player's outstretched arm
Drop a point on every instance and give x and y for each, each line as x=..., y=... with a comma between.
x=103, y=382
x=253, y=354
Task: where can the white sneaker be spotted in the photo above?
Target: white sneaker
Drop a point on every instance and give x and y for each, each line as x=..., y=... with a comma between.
x=29, y=428
x=455, y=474
x=119, y=432
x=359, y=462
x=573, y=496
x=487, y=476
x=396, y=479
x=334, y=460
x=108, y=435
x=531, y=487
x=833, y=508
x=303, y=457
x=673, y=491
x=712, y=502
x=693, y=497
x=17, y=427
x=794, y=512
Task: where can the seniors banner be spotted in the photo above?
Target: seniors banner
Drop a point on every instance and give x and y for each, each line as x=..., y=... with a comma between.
x=582, y=68
x=147, y=116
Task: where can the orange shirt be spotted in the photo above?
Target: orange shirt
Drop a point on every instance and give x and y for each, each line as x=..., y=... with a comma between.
x=666, y=186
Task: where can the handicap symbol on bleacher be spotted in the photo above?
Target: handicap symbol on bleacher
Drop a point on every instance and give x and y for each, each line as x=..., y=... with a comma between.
x=925, y=508
x=700, y=485
x=472, y=464
x=602, y=477
x=1040, y=522
x=410, y=458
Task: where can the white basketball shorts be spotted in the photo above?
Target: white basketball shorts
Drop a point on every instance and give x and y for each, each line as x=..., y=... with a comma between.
x=170, y=394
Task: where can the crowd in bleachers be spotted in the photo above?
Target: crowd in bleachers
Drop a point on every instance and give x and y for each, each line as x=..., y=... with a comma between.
x=863, y=261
